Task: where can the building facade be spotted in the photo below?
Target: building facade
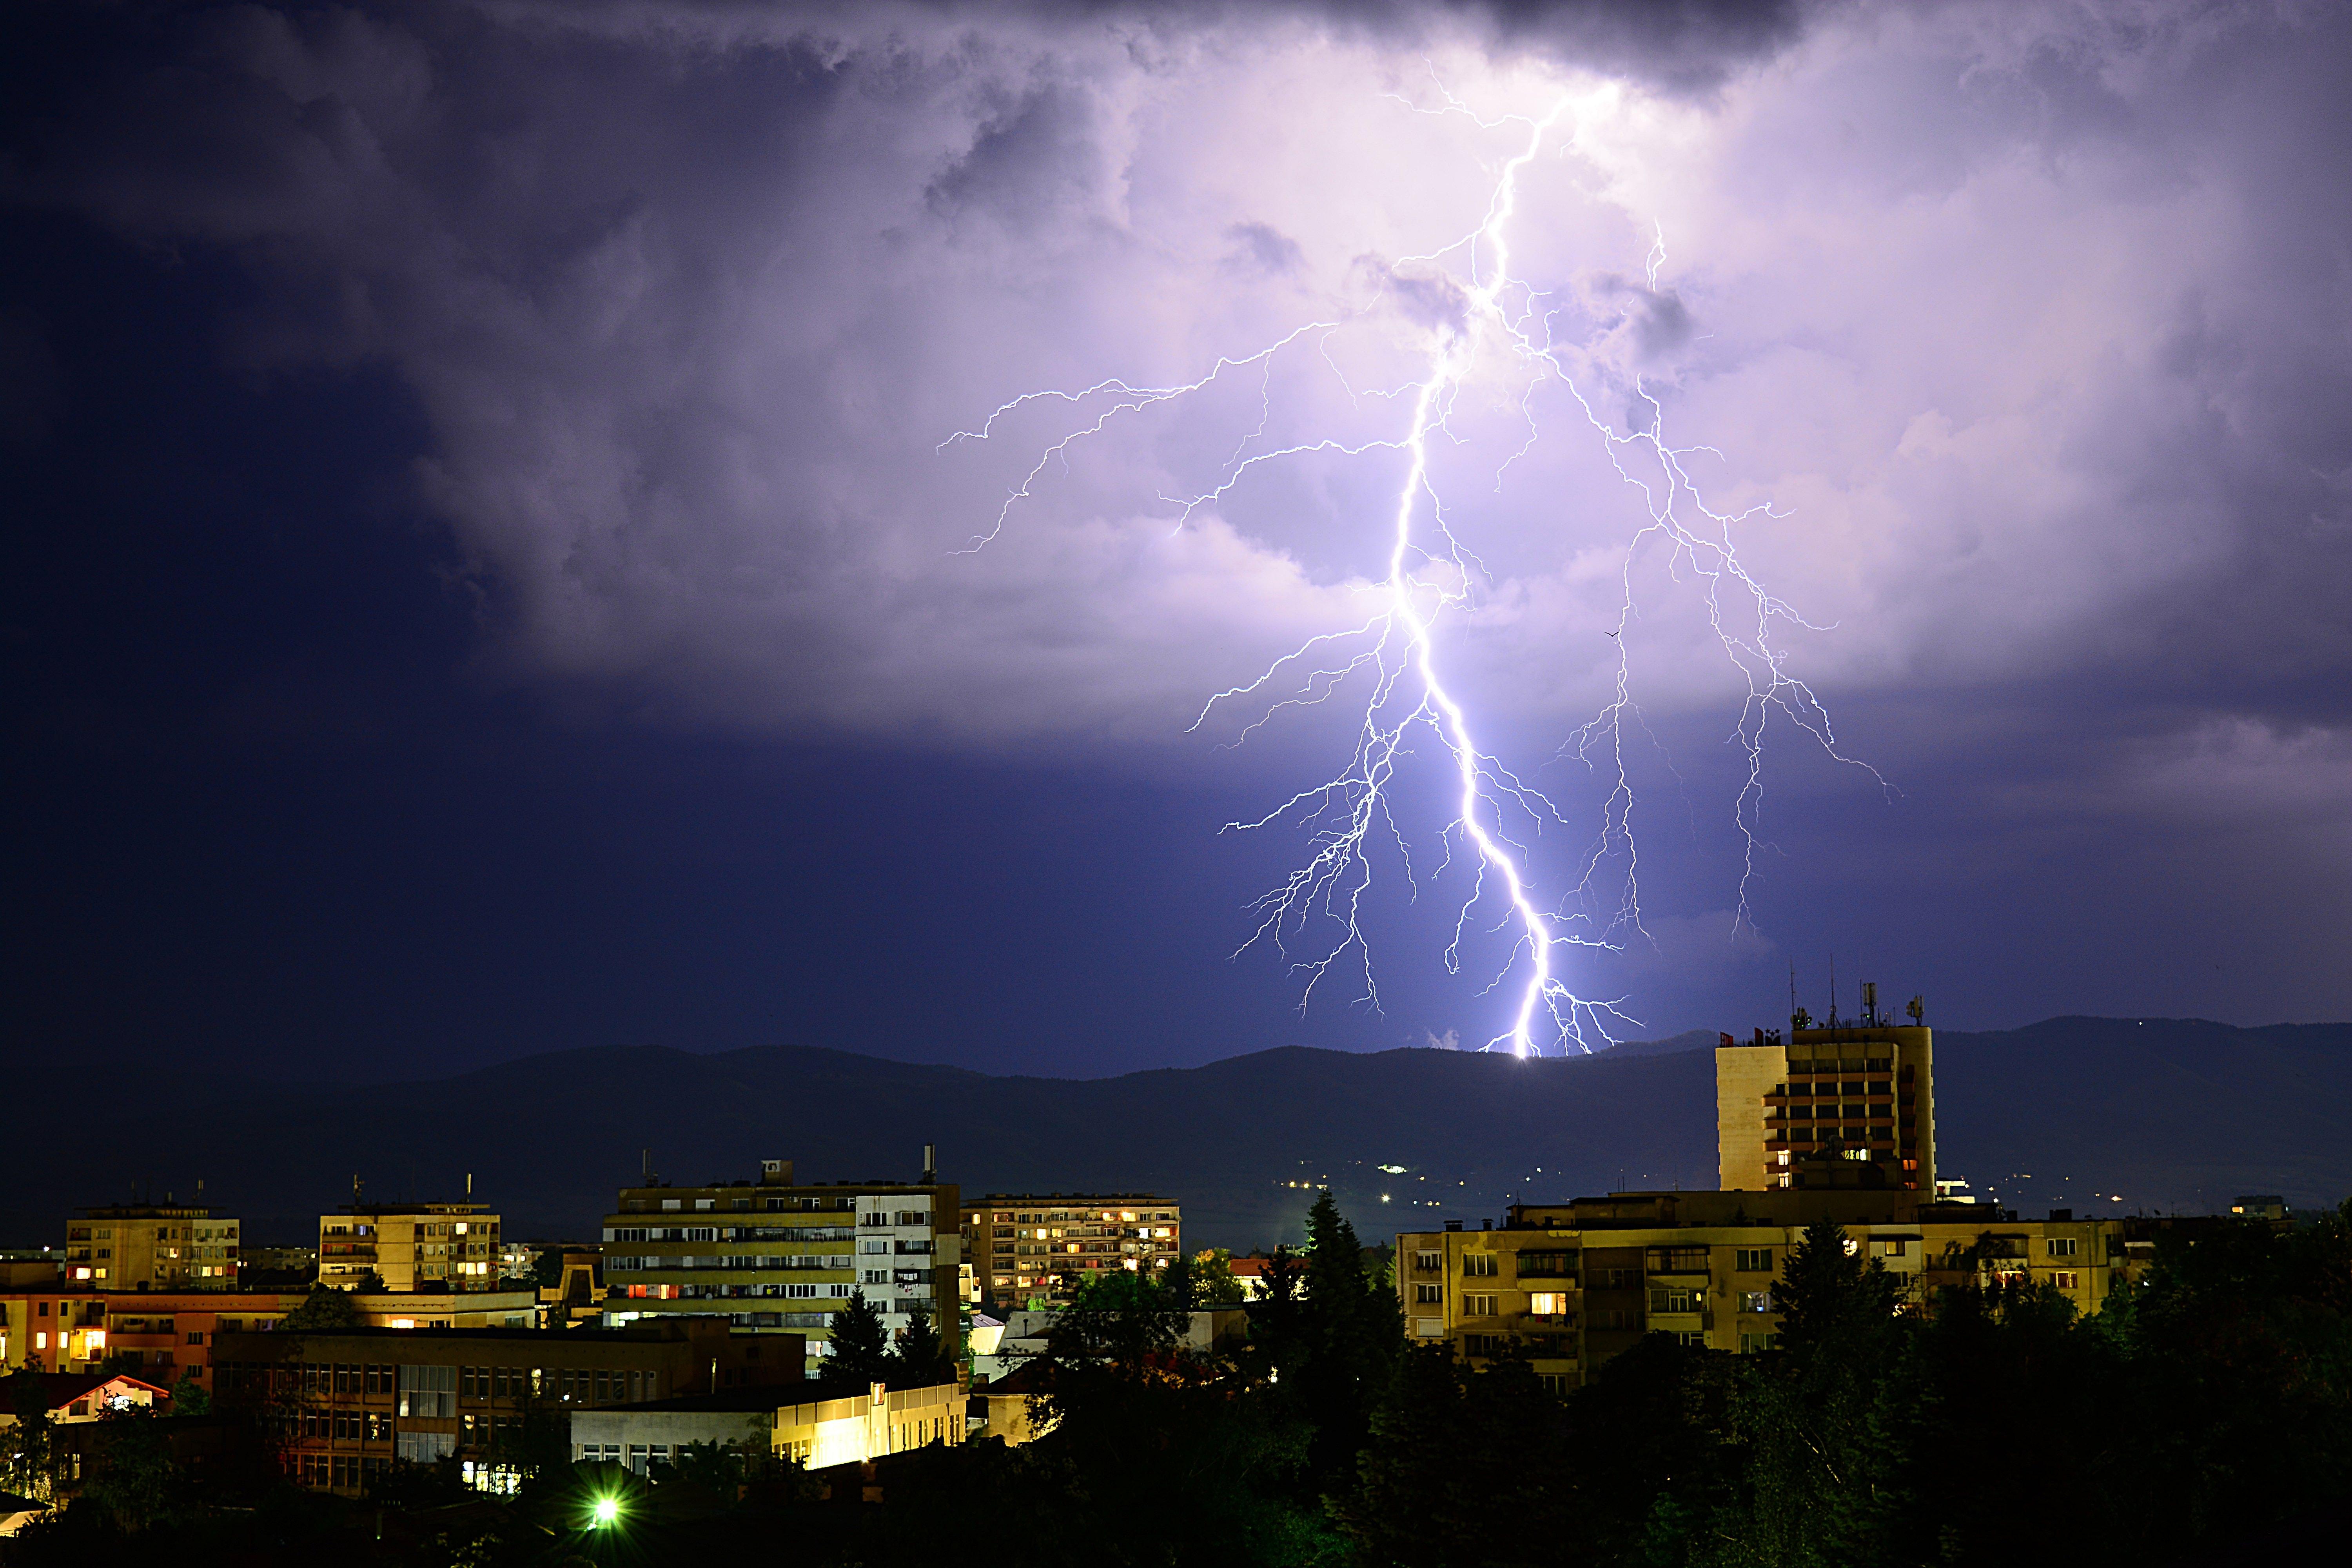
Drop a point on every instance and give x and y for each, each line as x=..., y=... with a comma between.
x=1864, y=1094
x=410, y=1247
x=1569, y=1285
x=172, y=1332
x=1029, y=1251
x=151, y=1246
x=772, y=1255
x=341, y=1406
x=51, y=1329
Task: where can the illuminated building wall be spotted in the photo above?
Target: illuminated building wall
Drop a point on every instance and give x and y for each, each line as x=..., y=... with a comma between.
x=1032, y=1250
x=815, y=1435
x=1570, y=1285
x=50, y=1330
x=412, y=1247
x=774, y=1255
x=147, y=1246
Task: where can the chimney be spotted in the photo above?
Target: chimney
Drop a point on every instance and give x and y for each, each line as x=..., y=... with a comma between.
x=930, y=1165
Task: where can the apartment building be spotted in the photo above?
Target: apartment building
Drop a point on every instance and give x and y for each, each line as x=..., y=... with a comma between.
x=343, y=1407
x=1839, y=1105
x=1031, y=1250
x=172, y=1332
x=169, y=1334
x=1569, y=1285
x=411, y=1246
x=151, y=1246
x=774, y=1255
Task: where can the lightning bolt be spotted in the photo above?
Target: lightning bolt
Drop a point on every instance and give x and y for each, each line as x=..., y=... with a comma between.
x=1349, y=817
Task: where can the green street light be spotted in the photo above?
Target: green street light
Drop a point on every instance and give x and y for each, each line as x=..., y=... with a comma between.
x=607, y=1510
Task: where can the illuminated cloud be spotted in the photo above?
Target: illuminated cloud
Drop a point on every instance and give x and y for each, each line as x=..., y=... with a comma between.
x=2030, y=323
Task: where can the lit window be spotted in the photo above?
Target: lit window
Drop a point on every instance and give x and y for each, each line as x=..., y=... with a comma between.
x=1544, y=1303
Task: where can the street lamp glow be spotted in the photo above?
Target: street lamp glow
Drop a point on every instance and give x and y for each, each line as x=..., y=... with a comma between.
x=607, y=1510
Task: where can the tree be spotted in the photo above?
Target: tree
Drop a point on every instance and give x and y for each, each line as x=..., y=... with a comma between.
x=1179, y=1286
x=861, y=1345
x=1345, y=1330
x=189, y=1396
x=1836, y=1423
x=921, y=1355
x=1828, y=1285
x=1413, y=1497
x=1213, y=1279
x=324, y=1310
x=27, y=1456
x=1120, y=1322
x=716, y=1468
x=134, y=1479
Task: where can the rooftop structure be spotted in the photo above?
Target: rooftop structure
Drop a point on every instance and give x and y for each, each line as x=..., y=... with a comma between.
x=1840, y=1106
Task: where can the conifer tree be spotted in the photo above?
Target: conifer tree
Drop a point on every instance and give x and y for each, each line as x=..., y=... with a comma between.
x=861, y=1345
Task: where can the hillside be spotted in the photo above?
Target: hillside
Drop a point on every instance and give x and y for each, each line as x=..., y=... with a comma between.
x=2166, y=1113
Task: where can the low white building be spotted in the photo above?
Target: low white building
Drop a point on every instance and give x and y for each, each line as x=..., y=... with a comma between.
x=813, y=1434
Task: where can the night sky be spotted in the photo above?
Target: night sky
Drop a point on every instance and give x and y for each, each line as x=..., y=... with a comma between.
x=484, y=575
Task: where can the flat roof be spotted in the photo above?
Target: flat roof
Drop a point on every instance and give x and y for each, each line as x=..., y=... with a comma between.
x=1069, y=1198
x=659, y=1333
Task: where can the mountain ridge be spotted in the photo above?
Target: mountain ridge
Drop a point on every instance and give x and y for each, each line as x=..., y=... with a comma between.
x=2158, y=1112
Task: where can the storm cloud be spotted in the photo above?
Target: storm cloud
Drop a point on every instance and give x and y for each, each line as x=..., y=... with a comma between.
x=2030, y=325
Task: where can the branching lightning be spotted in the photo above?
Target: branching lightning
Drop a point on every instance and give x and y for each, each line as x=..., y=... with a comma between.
x=1393, y=653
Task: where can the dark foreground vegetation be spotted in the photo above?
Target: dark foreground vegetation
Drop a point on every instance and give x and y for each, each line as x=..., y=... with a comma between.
x=2204, y=1417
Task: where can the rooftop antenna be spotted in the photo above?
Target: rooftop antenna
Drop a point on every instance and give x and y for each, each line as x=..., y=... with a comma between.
x=1833, y=1023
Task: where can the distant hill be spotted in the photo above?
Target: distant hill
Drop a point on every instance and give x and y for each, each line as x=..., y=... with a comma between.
x=2166, y=1113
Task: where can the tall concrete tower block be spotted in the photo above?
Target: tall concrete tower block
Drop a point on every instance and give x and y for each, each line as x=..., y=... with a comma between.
x=1847, y=1107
